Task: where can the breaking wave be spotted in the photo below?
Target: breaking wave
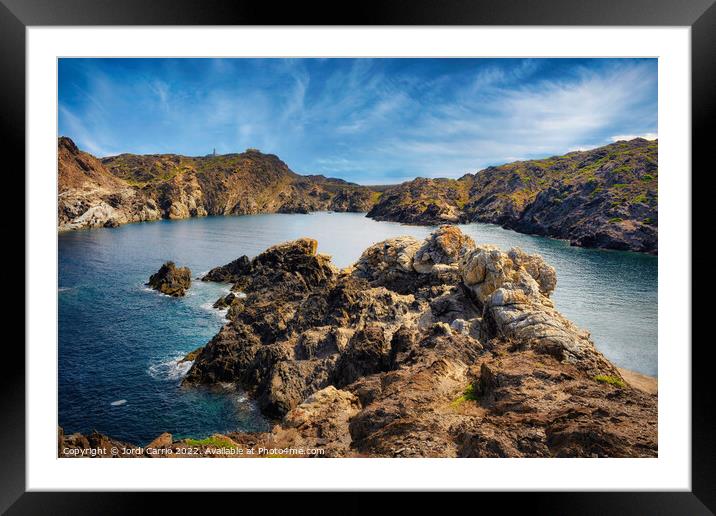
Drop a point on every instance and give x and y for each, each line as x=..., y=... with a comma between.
x=172, y=369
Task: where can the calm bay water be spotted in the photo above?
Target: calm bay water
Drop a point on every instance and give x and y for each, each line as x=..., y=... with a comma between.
x=119, y=342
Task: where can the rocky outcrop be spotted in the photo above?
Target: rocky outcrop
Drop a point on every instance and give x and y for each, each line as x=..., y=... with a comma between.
x=191, y=356
x=225, y=302
x=132, y=188
x=230, y=272
x=442, y=250
x=605, y=197
x=513, y=291
x=424, y=201
x=440, y=347
x=89, y=196
x=435, y=348
x=171, y=280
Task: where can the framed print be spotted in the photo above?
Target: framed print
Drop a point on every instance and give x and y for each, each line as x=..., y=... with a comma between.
x=418, y=245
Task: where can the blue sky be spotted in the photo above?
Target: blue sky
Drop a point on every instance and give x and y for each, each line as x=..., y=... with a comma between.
x=370, y=121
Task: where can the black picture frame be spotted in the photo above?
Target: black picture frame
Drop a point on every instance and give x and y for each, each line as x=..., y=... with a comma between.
x=699, y=15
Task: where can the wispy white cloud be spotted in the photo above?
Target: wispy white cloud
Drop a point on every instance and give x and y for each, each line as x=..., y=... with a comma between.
x=531, y=120
x=365, y=120
x=76, y=128
x=646, y=136
x=161, y=89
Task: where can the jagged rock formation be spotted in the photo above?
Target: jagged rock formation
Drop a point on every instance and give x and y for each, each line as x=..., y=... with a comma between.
x=171, y=280
x=229, y=272
x=132, y=188
x=605, y=197
x=433, y=348
x=90, y=196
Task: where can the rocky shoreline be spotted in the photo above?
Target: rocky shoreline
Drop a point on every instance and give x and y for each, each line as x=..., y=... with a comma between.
x=602, y=198
x=433, y=348
x=130, y=188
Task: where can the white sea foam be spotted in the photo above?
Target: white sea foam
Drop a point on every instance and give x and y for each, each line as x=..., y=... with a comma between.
x=118, y=403
x=157, y=293
x=228, y=290
x=171, y=369
x=63, y=289
x=209, y=307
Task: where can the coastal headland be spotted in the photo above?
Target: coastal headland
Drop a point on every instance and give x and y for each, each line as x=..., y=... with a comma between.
x=442, y=347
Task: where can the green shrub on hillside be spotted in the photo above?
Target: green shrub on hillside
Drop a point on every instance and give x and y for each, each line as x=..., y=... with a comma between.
x=611, y=380
x=469, y=394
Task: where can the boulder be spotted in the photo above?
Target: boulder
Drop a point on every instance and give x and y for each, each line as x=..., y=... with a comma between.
x=544, y=274
x=322, y=420
x=389, y=261
x=516, y=307
x=171, y=280
x=446, y=246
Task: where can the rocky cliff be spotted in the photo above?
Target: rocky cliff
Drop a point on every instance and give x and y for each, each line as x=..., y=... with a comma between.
x=133, y=188
x=91, y=196
x=604, y=198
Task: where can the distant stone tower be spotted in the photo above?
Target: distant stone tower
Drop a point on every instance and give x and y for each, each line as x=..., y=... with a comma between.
x=214, y=153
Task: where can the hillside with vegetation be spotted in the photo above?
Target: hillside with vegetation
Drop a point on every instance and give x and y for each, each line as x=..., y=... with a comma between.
x=132, y=188
x=605, y=197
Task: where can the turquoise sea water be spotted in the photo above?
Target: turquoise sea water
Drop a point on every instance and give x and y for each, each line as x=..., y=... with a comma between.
x=119, y=342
